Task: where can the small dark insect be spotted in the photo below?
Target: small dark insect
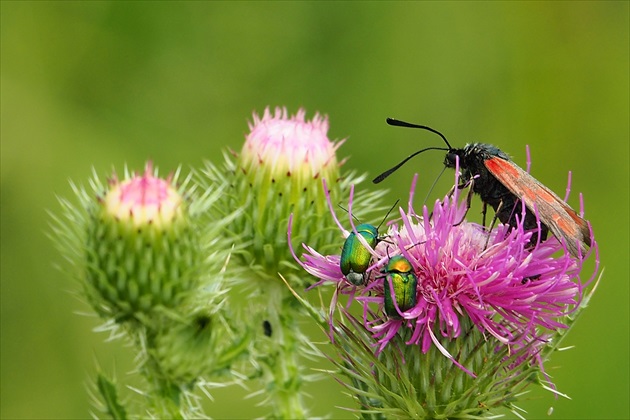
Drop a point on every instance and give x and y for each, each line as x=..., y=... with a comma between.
x=502, y=184
x=202, y=324
x=267, y=328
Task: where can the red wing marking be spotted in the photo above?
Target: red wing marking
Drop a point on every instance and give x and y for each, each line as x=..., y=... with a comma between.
x=563, y=221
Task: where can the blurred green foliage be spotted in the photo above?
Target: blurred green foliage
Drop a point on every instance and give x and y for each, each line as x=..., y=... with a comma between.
x=99, y=84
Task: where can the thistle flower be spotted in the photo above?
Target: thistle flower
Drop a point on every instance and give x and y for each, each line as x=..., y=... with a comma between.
x=282, y=145
x=456, y=305
x=149, y=260
x=142, y=250
x=280, y=171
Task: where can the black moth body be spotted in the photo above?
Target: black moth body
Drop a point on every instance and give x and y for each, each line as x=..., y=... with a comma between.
x=504, y=186
x=492, y=192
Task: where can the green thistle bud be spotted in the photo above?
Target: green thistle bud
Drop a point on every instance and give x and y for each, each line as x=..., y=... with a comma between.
x=279, y=176
x=141, y=244
x=281, y=171
x=148, y=257
x=182, y=349
x=278, y=172
x=142, y=249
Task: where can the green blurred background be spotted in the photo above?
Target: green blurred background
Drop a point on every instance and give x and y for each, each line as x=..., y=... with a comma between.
x=99, y=84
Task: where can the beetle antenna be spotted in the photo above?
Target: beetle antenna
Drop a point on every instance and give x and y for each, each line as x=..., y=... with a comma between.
x=346, y=210
x=390, y=210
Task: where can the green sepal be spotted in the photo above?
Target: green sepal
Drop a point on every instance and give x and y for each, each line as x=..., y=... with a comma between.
x=108, y=401
x=137, y=269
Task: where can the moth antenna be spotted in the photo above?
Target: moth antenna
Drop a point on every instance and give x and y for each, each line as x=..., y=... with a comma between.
x=388, y=172
x=398, y=123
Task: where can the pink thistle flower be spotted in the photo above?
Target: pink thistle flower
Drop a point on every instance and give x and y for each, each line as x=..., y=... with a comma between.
x=284, y=145
x=278, y=172
x=140, y=243
x=465, y=275
x=144, y=199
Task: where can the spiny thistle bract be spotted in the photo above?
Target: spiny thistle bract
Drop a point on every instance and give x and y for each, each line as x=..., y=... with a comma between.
x=287, y=166
x=141, y=244
x=487, y=312
x=151, y=262
x=279, y=172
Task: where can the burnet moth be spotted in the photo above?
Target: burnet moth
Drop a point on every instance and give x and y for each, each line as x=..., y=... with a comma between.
x=502, y=184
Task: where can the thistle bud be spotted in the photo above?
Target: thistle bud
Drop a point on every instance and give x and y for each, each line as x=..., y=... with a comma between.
x=285, y=171
x=279, y=171
x=142, y=251
x=138, y=244
x=148, y=257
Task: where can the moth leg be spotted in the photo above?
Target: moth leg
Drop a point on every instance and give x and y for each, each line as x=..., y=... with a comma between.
x=484, y=210
x=449, y=195
x=465, y=184
x=494, y=221
x=468, y=201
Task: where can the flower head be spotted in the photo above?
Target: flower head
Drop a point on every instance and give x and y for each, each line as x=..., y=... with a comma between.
x=144, y=200
x=151, y=262
x=480, y=299
x=140, y=243
x=506, y=289
x=142, y=251
x=279, y=172
x=282, y=145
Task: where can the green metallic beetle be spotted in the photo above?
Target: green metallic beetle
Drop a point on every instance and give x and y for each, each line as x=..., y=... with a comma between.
x=355, y=258
x=399, y=274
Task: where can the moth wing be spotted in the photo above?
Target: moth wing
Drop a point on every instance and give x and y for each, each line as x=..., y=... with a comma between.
x=563, y=221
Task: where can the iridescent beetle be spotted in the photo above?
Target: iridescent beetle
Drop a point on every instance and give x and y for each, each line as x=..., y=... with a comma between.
x=355, y=258
x=400, y=277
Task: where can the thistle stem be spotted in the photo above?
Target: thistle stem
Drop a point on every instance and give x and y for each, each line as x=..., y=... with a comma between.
x=165, y=395
x=283, y=379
